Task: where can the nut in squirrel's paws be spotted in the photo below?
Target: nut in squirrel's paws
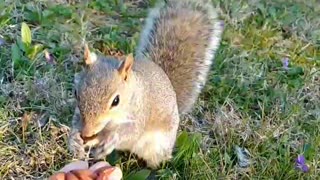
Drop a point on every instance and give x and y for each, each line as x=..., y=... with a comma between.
x=105, y=147
x=76, y=145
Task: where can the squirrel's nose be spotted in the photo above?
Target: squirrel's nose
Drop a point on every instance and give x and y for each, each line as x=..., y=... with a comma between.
x=87, y=138
x=86, y=132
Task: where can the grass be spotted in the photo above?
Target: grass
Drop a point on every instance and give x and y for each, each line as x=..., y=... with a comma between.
x=251, y=101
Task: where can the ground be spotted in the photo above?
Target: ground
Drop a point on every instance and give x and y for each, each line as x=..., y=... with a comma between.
x=259, y=110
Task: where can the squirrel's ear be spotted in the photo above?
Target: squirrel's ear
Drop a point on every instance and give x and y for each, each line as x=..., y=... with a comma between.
x=89, y=57
x=126, y=66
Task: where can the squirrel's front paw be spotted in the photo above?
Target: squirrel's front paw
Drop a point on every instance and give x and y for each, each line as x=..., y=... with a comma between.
x=75, y=145
x=105, y=147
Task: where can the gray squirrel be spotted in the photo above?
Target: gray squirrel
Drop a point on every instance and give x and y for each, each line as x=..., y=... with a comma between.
x=135, y=104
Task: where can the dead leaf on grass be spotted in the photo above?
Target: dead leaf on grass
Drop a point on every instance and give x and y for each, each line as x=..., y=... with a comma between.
x=25, y=120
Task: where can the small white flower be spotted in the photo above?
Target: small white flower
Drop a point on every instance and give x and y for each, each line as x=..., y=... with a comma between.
x=243, y=156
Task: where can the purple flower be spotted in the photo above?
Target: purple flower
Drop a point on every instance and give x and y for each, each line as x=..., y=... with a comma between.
x=2, y=41
x=49, y=57
x=285, y=62
x=221, y=24
x=301, y=164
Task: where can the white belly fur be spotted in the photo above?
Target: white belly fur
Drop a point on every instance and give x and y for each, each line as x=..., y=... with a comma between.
x=154, y=147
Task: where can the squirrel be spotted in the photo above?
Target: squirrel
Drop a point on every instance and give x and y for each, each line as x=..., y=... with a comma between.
x=135, y=104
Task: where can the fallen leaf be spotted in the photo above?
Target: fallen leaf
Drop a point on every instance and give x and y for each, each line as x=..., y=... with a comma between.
x=26, y=118
x=140, y=175
x=25, y=34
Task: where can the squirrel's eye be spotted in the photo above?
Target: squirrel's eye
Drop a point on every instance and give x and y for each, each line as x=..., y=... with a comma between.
x=115, y=101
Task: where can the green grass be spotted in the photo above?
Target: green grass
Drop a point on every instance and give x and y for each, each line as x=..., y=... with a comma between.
x=250, y=100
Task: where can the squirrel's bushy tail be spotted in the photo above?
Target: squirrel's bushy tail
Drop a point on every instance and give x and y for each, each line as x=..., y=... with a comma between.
x=182, y=36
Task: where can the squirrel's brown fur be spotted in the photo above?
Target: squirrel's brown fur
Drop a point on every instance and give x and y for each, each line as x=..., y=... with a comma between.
x=135, y=104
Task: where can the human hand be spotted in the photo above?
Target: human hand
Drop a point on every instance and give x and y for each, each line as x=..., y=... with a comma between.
x=80, y=170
